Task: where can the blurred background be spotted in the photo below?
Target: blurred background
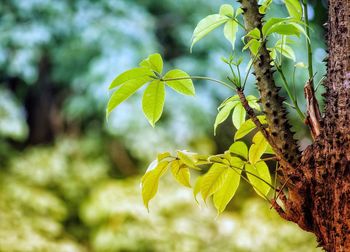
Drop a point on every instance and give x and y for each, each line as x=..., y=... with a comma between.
x=69, y=181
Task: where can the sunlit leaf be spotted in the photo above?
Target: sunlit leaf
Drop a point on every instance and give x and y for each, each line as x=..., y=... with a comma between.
x=253, y=45
x=262, y=175
x=197, y=187
x=238, y=116
x=181, y=173
x=154, y=62
x=213, y=180
x=239, y=148
x=257, y=148
x=183, y=86
x=294, y=8
x=254, y=33
x=236, y=162
x=124, y=92
x=228, y=189
x=265, y=4
x=187, y=158
x=226, y=10
x=131, y=75
x=248, y=126
x=224, y=113
x=253, y=102
x=207, y=25
x=153, y=101
x=230, y=31
x=234, y=98
x=150, y=181
x=163, y=155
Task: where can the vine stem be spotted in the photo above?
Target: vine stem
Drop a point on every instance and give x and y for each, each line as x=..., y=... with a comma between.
x=200, y=78
x=309, y=50
x=285, y=84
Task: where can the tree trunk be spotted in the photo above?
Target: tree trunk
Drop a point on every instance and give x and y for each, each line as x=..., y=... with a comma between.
x=318, y=185
x=320, y=200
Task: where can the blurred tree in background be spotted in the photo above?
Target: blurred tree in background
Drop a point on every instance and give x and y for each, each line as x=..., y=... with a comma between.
x=64, y=182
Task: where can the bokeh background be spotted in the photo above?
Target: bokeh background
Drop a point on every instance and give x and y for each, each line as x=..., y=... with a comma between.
x=69, y=180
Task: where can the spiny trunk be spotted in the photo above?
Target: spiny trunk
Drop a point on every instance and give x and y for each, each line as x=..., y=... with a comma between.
x=318, y=198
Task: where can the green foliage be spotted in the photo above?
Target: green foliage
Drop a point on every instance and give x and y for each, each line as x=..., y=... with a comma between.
x=226, y=16
x=154, y=96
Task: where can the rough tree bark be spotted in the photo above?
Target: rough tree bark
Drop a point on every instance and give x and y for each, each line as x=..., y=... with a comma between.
x=318, y=180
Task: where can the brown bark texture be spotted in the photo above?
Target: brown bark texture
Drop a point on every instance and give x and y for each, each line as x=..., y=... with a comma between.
x=318, y=187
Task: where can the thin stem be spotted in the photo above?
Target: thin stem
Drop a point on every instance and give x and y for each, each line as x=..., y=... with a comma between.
x=200, y=78
x=285, y=84
x=239, y=75
x=241, y=25
x=309, y=50
x=250, y=67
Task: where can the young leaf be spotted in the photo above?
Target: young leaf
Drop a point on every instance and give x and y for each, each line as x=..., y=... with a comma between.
x=248, y=126
x=131, y=75
x=286, y=51
x=150, y=181
x=239, y=148
x=255, y=33
x=253, y=46
x=262, y=175
x=154, y=62
x=253, y=102
x=238, y=116
x=257, y=148
x=163, y=155
x=285, y=29
x=197, y=187
x=271, y=22
x=181, y=173
x=124, y=92
x=224, y=113
x=187, y=159
x=236, y=162
x=207, y=25
x=153, y=101
x=213, y=180
x=226, y=10
x=265, y=4
x=228, y=189
x=234, y=98
x=184, y=86
x=230, y=30
x=294, y=8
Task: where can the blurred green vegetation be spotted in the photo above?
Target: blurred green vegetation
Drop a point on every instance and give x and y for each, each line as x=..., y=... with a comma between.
x=69, y=181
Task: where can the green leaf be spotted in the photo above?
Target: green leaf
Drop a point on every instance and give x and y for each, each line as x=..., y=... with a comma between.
x=181, y=173
x=262, y=173
x=248, y=126
x=238, y=116
x=234, y=98
x=153, y=101
x=271, y=22
x=184, y=86
x=239, y=11
x=253, y=45
x=255, y=33
x=124, y=92
x=294, y=8
x=239, y=148
x=197, y=187
x=131, y=75
x=226, y=10
x=265, y=4
x=257, y=148
x=236, y=162
x=154, y=62
x=187, y=158
x=286, y=51
x=162, y=156
x=284, y=29
x=207, y=25
x=253, y=102
x=230, y=31
x=213, y=180
x=269, y=150
x=150, y=181
x=228, y=189
x=224, y=113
